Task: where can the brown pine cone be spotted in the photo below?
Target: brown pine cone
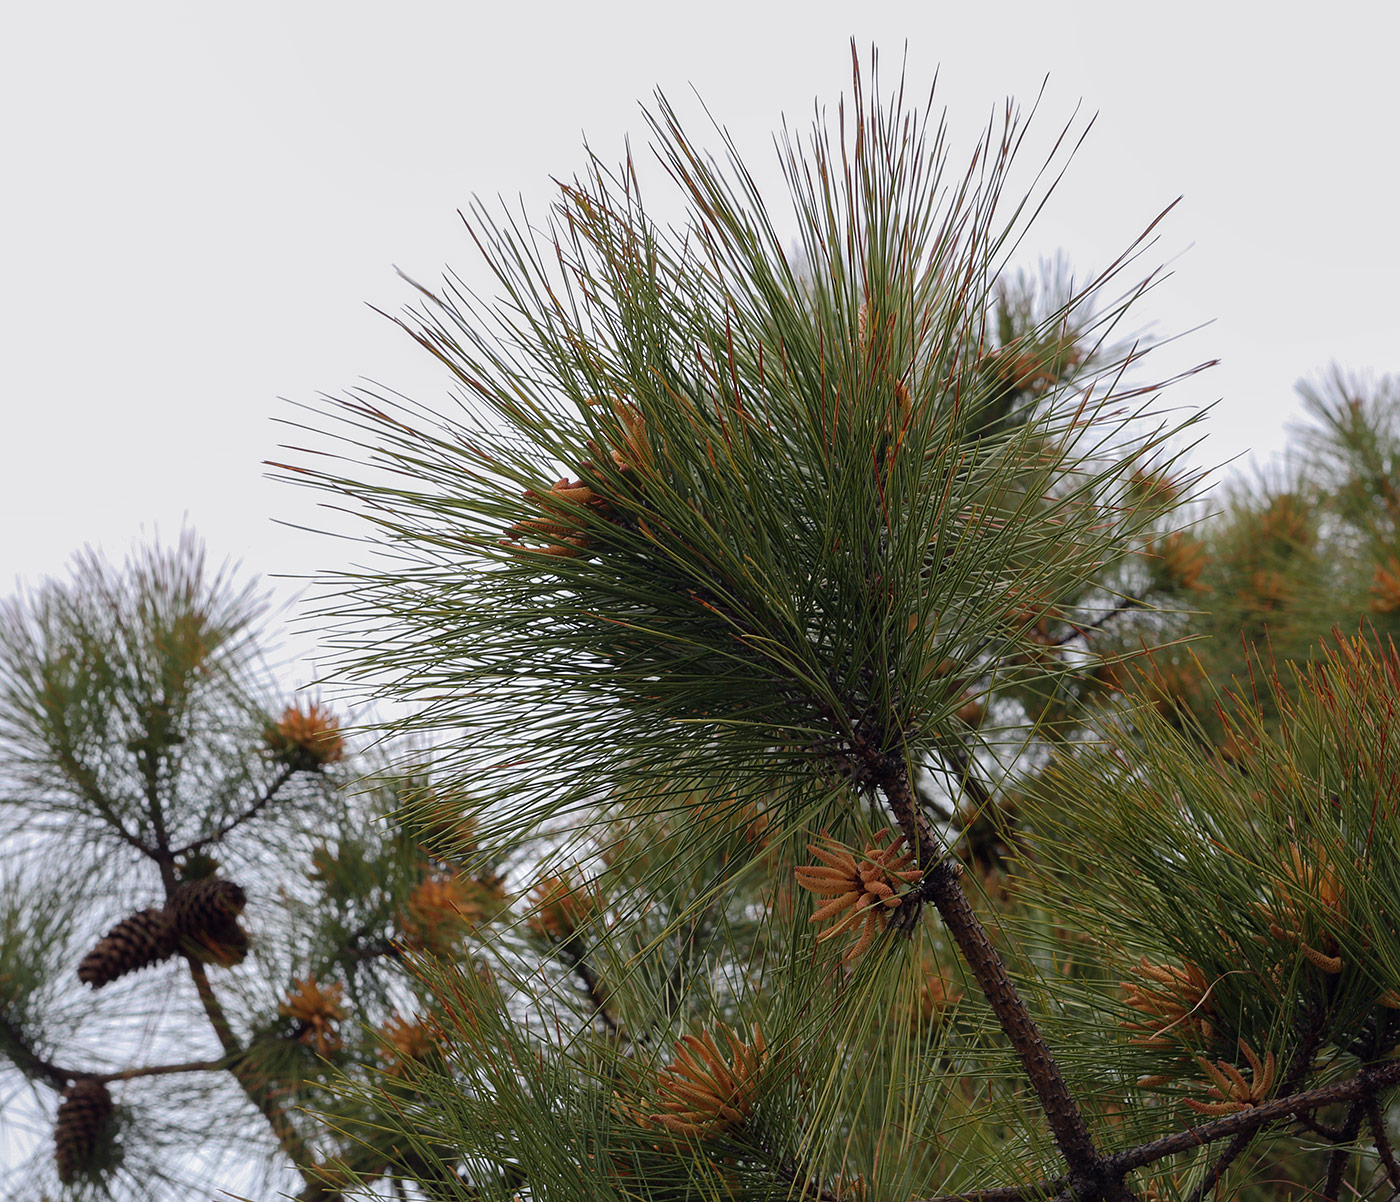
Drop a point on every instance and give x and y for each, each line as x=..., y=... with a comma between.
x=210, y=904
x=146, y=937
x=83, y=1116
x=205, y=913
x=224, y=945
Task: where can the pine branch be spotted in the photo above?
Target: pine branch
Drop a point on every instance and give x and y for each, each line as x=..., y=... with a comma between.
x=259, y=1091
x=268, y=796
x=28, y=1061
x=32, y=1065
x=162, y=1070
x=673, y=992
x=1228, y=1157
x=891, y=773
x=1311, y=1123
x=1368, y=1082
x=573, y=955
x=352, y=953
x=1337, y=1162
x=150, y=774
x=1088, y=1175
x=1361, y=1089
x=1382, y=1141
x=957, y=761
x=83, y=778
x=1125, y=604
x=1297, y=1069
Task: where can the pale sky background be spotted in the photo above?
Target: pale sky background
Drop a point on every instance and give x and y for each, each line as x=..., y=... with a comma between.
x=198, y=200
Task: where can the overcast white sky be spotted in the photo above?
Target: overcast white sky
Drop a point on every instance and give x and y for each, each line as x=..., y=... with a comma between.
x=198, y=200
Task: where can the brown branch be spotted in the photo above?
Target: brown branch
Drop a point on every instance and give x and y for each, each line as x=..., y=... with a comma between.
x=161, y=1070
x=1061, y=1111
x=941, y=886
x=28, y=1061
x=1337, y=1162
x=1311, y=1123
x=268, y=796
x=32, y=1065
x=1222, y=1162
x=1360, y=1088
x=1368, y=1081
x=258, y=1091
x=891, y=773
x=1382, y=1141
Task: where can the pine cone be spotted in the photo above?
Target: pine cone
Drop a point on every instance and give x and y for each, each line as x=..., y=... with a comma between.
x=206, y=914
x=224, y=946
x=83, y=1116
x=146, y=937
x=561, y=907
x=862, y=892
x=442, y=909
x=405, y=1042
x=316, y=1009
x=207, y=905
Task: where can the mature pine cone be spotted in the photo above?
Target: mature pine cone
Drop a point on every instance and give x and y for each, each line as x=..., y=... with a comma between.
x=146, y=937
x=225, y=945
x=206, y=920
x=83, y=1115
x=210, y=904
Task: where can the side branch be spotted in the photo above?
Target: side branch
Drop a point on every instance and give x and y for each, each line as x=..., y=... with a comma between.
x=572, y=954
x=1124, y=604
x=1297, y=1070
x=163, y=1070
x=34, y=1066
x=86, y=783
x=1382, y=1142
x=1362, y=1088
x=28, y=1061
x=1367, y=1083
x=269, y=795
